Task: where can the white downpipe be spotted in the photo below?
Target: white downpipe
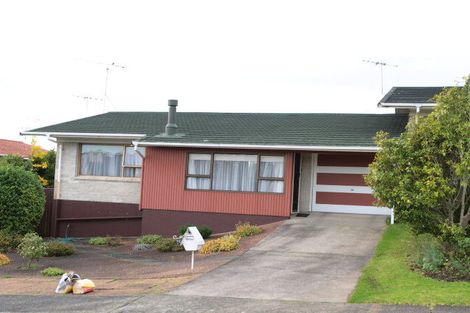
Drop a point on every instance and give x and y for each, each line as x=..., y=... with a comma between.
x=136, y=146
x=392, y=216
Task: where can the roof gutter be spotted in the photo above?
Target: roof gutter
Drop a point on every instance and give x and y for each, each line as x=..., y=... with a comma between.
x=257, y=147
x=405, y=105
x=83, y=135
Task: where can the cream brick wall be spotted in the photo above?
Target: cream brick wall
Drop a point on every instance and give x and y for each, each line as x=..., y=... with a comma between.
x=70, y=186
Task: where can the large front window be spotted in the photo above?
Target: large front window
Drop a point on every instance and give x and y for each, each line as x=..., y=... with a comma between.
x=235, y=172
x=110, y=160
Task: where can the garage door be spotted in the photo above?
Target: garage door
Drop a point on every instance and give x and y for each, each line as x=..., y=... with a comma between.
x=339, y=186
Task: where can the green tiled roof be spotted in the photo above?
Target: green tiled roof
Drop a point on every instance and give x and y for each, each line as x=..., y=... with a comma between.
x=296, y=129
x=410, y=95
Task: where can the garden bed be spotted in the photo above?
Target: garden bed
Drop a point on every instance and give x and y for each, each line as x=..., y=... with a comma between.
x=119, y=270
x=388, y=278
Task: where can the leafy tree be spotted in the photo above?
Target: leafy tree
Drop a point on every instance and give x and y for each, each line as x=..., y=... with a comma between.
x=425, y=173
x=43, y=164
x=16, y=160
x=22, y=200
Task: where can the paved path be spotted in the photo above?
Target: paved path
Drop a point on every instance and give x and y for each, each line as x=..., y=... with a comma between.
x=317, y=259
x=196, y=304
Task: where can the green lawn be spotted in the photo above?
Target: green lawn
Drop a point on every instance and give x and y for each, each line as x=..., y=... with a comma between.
x=388, y=278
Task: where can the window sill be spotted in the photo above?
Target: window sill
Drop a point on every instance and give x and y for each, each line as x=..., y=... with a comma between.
x=110, y=179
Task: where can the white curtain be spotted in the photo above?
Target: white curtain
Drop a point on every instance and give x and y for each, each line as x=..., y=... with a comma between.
x=100, y=160
x=132, y=157
x=199, y=164
x=271, y=167
x=234, y=172
x=271, y=186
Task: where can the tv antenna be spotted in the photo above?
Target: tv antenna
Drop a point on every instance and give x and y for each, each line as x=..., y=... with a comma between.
x=87, y=100
x=108, y=67
x=381, y=64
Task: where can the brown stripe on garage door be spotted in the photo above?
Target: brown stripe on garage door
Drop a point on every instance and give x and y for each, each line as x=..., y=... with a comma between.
x=345, y=198
x=341, y=179
x=345, y=159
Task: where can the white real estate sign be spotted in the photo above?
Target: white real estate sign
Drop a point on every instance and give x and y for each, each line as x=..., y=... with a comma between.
x=192, y=241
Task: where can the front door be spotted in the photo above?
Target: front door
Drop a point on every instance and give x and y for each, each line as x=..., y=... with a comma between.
x=306, y=196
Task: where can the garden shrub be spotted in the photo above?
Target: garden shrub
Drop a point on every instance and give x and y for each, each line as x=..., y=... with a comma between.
x=4, y=259
x=246, y=229
x=56, y=248
x=52, y=271
x=22, y=200
x=457, y=248
x=98, y=241
x=16, y=160
x=105, y=241
x=168, y=245
x=183, y=228
x=32, y=247
x=225, y=243
x=445, y=257
x=149, y=239
x=9, y=241
x=204, y=230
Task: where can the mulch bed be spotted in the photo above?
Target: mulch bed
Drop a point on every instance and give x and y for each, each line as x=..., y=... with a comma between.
x=139, y=271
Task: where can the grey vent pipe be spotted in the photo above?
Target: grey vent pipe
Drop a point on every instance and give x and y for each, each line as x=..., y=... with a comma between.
x=170, y=128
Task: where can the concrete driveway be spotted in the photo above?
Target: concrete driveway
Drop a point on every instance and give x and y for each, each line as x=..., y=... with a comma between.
x=317, y=258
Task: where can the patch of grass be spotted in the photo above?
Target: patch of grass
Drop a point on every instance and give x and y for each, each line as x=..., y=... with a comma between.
x=388, y=277
x=246, y=230
x=52, y=271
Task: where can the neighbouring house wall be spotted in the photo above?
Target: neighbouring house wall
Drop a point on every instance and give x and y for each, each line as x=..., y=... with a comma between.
x=164, y=190
x=71, y=186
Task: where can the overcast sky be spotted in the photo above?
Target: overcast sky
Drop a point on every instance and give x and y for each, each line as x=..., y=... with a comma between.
x=230, y=56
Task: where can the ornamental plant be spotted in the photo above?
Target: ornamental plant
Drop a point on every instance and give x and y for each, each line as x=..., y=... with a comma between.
x=246, y=230
x=32, y=247
x=43, y=164
x=56, y=248
x=4, y=259
x=225, y=243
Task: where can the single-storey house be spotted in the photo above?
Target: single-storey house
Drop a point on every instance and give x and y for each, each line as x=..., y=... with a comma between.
x=15, y=147
x=133, y=173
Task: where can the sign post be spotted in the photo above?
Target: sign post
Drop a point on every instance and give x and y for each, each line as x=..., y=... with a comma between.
x=192, y=241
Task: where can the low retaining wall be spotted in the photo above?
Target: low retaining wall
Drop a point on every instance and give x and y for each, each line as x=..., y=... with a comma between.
x=167, y=223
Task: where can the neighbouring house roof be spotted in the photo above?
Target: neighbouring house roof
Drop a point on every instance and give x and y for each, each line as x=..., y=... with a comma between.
x=272, y=130
x=411, y=96
x=15, y=147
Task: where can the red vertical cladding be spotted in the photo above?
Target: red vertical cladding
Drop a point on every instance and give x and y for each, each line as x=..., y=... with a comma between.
x=163, y=188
